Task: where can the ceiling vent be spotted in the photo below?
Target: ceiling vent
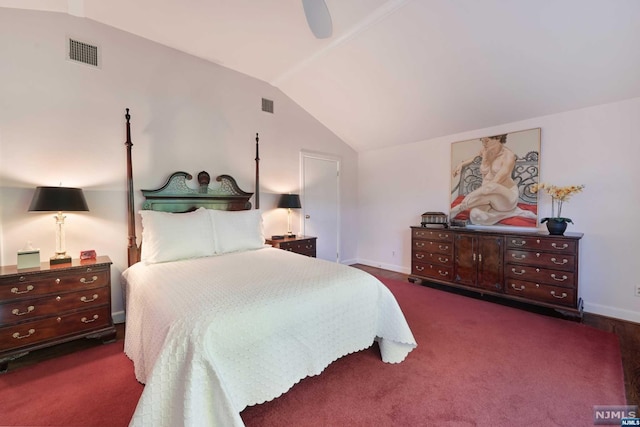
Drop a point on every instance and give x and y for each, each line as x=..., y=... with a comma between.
x=83, y=52
x=267, y=105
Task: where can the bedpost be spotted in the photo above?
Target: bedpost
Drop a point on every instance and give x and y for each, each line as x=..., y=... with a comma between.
x=257, y=173
x=132, y=249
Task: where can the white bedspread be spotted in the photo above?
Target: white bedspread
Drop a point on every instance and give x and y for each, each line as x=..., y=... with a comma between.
x=210, y=336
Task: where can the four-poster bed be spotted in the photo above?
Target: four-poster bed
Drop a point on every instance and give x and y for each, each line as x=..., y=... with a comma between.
x=218, y=321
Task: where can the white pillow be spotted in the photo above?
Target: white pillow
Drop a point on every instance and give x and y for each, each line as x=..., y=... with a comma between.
x=173, y=236
x=237, y=230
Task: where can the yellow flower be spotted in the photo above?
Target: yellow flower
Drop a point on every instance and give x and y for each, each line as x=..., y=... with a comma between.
x=558, y=194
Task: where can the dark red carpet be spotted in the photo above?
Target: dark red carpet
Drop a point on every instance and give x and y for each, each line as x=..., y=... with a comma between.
x=94, y=387
x=477, y=364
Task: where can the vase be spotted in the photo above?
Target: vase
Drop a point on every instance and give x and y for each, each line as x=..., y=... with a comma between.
x=556, y=226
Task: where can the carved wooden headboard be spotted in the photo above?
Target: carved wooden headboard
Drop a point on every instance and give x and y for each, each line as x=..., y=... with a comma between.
x=176, y=196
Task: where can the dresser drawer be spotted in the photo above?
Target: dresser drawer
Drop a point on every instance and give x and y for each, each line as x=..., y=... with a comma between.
x=542, y=259
x=28, y=286
x=26, y=309
x=439, y=235
x=304, y=247
x=433, y=258
x=435, y=271
x=542, y=244
x=561, y=278
x=541, y=292
x=434, y=246
x=55, y=327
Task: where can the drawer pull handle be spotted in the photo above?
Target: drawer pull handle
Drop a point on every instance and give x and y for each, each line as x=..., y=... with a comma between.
x=518, y=256
x=443, y=248
x=84, y=299
x=419, y=268
x=17, y=291
x=564, y=295
x=443, y=259
x=22, y=313
x=516, y=243
x=17, y=335
x=57, y=281
x=443, y=236
x=85, y=320
x=564, y=246
x=86, y=282
x=309, y=246
x=518, y=272
x=564, y=261
x=521, y=288
x=446, y=273
x=420, y=234
x=420, y=244
x=559, y=279
x=419, y=256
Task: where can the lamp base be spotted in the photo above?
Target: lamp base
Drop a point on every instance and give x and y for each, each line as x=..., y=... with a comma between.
x=291, y=235
x=64, y=259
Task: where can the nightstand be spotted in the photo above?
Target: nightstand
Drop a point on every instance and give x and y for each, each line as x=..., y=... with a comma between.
x=304, y=245
x=51, y=304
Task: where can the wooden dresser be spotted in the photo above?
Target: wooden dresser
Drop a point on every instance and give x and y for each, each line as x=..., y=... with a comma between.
x=303, y=245
x=534, y=268
x=41, y=307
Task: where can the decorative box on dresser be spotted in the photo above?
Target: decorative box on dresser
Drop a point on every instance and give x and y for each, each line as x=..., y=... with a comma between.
x=534, y=268
x=303, y=245
x=52, y=304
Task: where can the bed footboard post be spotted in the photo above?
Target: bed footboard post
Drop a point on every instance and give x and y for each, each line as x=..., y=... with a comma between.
x=133, y=254
x=257, y=190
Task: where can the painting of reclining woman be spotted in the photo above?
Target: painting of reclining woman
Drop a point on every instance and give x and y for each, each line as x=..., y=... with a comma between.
x=491, y=179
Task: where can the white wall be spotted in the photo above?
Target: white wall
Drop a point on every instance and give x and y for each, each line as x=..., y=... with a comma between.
x=63, y=122
x=598, y=147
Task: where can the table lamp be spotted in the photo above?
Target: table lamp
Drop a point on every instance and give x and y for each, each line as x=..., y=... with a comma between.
x=289, y=201
x=58, y=199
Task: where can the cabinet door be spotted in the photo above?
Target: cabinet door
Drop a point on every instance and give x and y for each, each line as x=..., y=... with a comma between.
x=490, y=263
x=465, y=256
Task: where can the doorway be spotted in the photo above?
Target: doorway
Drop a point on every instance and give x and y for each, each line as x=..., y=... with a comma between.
x=320, y=202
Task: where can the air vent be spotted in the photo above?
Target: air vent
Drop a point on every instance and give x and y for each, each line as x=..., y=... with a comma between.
x=83, y=52
x=267, y=105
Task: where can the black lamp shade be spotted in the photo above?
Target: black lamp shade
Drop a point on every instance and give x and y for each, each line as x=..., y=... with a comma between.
x=290, y=201
x=58, y=199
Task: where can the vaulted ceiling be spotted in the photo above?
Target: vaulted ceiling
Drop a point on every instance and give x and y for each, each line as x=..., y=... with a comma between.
x=401, y=71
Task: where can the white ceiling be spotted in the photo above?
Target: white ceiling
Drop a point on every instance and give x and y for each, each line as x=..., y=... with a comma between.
x=401, y=71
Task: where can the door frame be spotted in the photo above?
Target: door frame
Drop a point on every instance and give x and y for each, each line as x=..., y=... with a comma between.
x=307, y=154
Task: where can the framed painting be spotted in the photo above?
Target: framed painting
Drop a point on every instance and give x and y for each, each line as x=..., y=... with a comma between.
x=491, y=179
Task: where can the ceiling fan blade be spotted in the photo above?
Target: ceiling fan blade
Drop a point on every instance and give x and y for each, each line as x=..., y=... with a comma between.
x=318, y=18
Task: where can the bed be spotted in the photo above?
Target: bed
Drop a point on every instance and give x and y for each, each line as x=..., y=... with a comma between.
x=218, y=321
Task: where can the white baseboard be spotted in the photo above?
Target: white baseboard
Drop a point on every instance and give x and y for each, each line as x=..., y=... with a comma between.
x=118, y=317
x=390, y=267
x=616, y=313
